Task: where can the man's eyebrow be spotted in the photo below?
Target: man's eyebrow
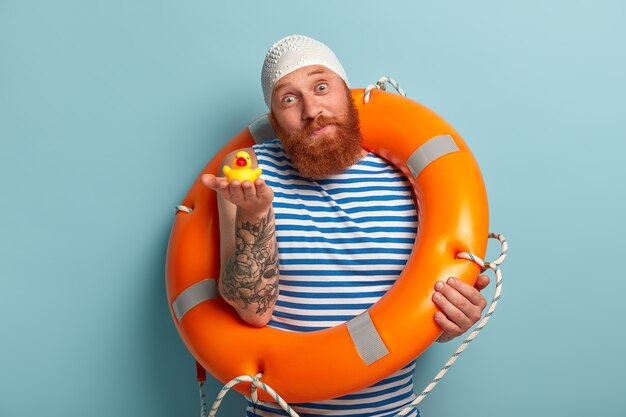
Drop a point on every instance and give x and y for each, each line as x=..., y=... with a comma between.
x=280, y=86
x=317, y=71
x=314, y=72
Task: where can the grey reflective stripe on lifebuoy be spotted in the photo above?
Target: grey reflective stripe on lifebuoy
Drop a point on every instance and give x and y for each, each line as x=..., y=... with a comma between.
x=261, y=129
x=366, y=338
x=433, y=149
x=194, y=295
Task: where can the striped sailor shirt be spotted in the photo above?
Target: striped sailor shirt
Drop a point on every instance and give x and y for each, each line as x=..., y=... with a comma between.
x=342, y=243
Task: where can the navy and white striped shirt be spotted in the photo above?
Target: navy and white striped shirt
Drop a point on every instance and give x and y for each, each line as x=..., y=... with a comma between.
x=342, y=243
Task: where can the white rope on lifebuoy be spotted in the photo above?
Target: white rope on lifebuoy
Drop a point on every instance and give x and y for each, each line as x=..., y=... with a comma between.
x=186, y=209
x=380, y=85
x=202, y=399
x=495, y=266
x=256, y=383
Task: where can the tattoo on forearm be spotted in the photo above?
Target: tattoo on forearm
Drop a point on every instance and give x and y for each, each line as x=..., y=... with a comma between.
x=251, y=274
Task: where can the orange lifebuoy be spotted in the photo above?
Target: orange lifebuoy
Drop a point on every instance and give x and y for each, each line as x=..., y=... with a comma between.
x=301, y=367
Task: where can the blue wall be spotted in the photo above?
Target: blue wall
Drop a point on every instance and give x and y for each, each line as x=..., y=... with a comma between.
x=108, y=110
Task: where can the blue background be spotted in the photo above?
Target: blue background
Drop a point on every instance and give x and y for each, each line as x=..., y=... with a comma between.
x=109, y=109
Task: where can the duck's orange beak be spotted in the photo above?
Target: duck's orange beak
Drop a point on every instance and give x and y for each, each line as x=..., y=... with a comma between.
x=241, y=161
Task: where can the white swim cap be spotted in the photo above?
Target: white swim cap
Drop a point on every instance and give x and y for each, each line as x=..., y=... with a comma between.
x=294, y=52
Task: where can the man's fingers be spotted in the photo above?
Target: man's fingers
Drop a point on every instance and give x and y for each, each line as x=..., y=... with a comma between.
x=482, y=282
x=222, y=186
x=209, y=180
x=249, y=190
x=214, y=183
x=455, y=307
x=263, y=191
x=251, y=197
x=461, y=305
x=468, y=292
x=261, y=187
x=450, y=329
x=234, y=192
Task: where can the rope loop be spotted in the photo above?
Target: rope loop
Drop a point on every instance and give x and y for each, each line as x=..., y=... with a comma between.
x=485, y=265
x=380, y=85
x=253, y=389
x=181, y=207
x=256, y=383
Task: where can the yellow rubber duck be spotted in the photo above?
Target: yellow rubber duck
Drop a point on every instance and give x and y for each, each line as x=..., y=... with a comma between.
x=241, y=169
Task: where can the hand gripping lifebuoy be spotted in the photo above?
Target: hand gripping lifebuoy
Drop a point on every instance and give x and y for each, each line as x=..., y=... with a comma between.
x=302, y=367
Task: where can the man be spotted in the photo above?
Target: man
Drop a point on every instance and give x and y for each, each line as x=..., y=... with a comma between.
x=327, y=228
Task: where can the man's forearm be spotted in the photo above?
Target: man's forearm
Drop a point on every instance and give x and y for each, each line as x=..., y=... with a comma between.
x=249, y=280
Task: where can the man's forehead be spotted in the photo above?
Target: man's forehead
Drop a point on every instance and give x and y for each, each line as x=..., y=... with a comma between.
x=306, y=72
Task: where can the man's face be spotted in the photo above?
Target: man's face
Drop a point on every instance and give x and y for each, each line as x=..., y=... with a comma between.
x=315, y=119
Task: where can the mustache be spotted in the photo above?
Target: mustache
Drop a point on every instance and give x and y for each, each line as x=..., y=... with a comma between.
x=318, y=122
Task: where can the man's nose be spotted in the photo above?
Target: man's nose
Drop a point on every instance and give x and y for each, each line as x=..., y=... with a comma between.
x=311, y=107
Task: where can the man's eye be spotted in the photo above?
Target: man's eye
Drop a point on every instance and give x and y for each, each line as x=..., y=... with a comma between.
x=322, y=87
x=288, y=100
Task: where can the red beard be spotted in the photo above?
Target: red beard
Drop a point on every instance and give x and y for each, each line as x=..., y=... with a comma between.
x=325, y=155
